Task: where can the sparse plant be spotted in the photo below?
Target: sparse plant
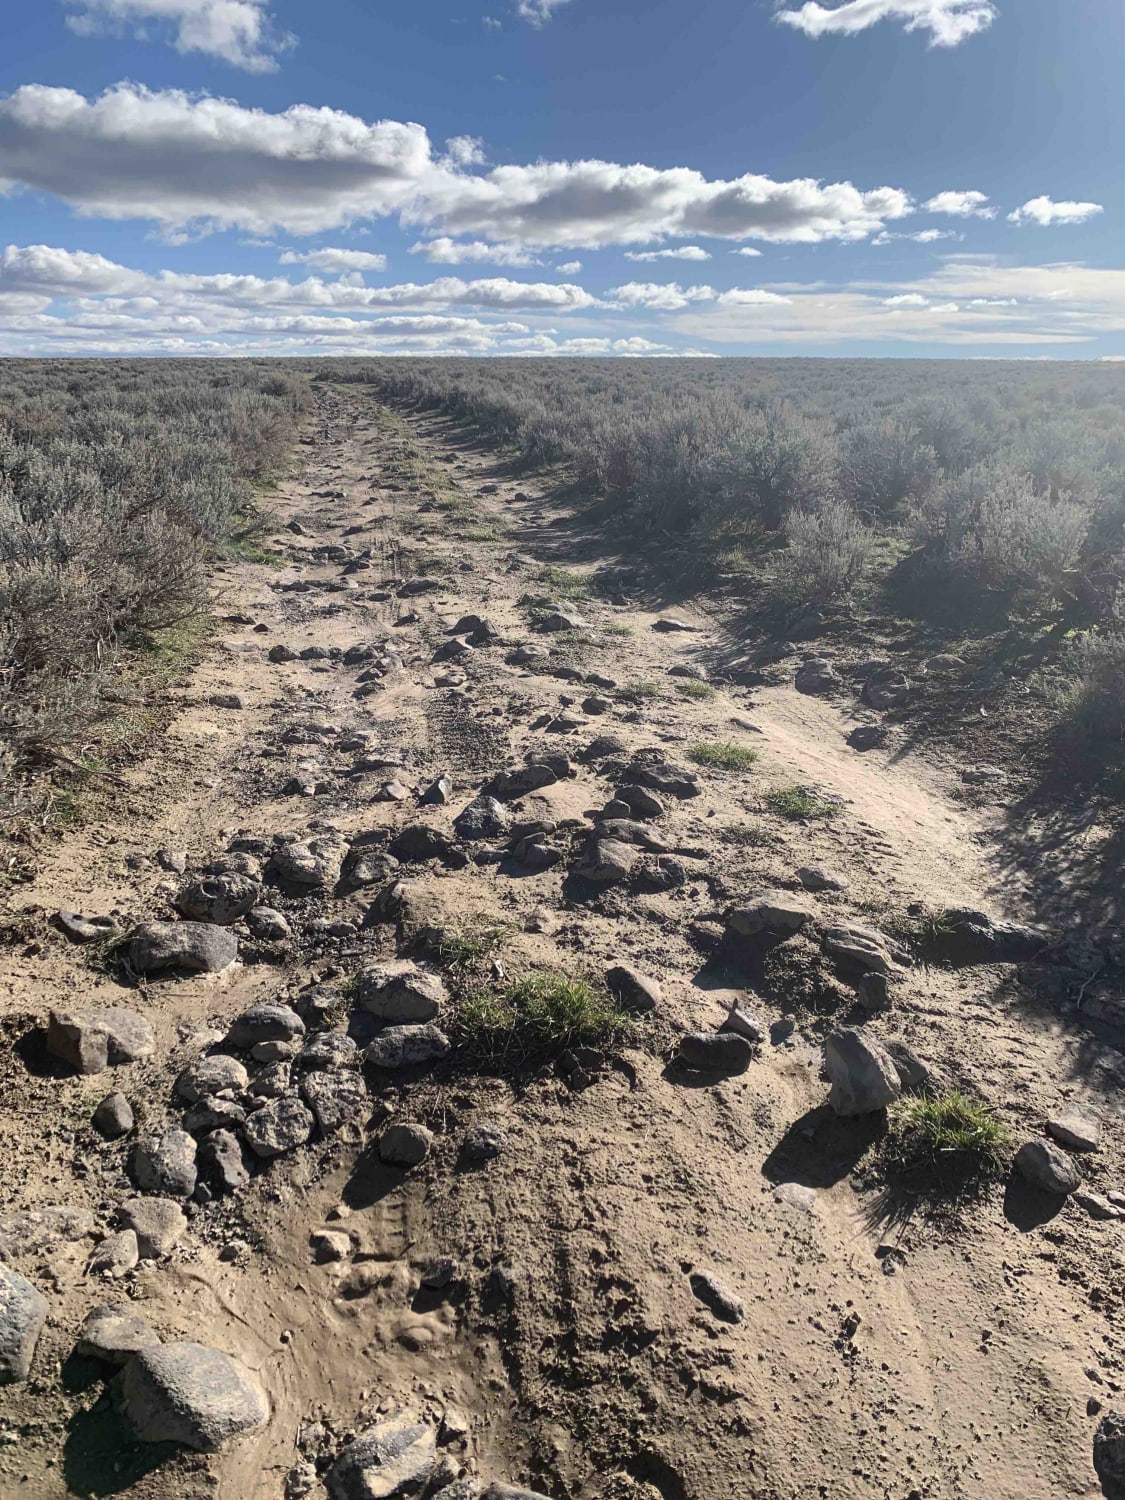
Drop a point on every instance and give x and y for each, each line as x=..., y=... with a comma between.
x=1090, y=698
x=537, y=1017
x=828, y=550
x=944, y=1147
x=721, y=755
x=801, y=804
x=700, y=691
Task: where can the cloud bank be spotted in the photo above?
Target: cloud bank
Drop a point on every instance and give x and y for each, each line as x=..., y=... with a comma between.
x=239, y=32
x=948, y=22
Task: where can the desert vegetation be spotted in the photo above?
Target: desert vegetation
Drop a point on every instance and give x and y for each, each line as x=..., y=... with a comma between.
x=118, y=482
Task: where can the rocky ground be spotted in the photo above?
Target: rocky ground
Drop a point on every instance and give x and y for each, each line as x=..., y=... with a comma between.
x=279, y=1219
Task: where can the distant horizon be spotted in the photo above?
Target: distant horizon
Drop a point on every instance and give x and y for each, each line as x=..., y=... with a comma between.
x=907, y=179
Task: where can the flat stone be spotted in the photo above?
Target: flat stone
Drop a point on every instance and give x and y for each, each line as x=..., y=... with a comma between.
x=606, y=861
x=81, y=929
x=632, y=990
x=498, y=1491
x=279, y=1126
x=307, y=864
x=776, y=912
x=393, y=1459
x=863, y=948
x=407, y=1047
x=211, y=1075
x=190, y=1394
x=400, y=993
x=197, y=947
x=221, y=899
x=796, y=1195
x=673, y=624
x=715, y=1051
x=213, y=1113
x=740, y=1021
x=405, y=1145
x=36, y=1229
x=92, y=1040
x=113, y=1117
x=116, y=1255
x=1047, y=1167
x=268, y=925
x=716, y=1297
x=816, y=878
x=23, y=1312
x=114, y=1336
x=335, y=1096
x=863, y=1074
x=509, y=785
x=1075, y=1128
x=265, y=1023
x=1096, y=1205
x=158, y=1223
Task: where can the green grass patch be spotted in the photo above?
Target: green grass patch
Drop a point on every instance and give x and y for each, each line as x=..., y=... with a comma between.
x=536, y=1018
x=453, y=948
x=617, y=629
x=700, y=691
x=945, y=1147
x=564, y=583
x=749, y=836
x=721, y=755
x=800, y=804
x=640, y=692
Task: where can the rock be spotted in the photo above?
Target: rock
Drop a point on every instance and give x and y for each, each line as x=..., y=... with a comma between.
x=415, y=586
x=221, y=899
x=275, y=1051
x=603, y=747
x=23, y=1312
x=114, y=1116
x=863, y=948
x=400, y=994
x=671, y=624
x=596, y=704
x=116, y=1255
x=715, y=1051
x=1075, y=1128
x=265, y=1023
x=537, y=856
x=874, y=992
x=815, y=878
x=1047, y=1167
x=776, y=912
x=796, y=1195
x=633, y=991
x=629, y=831
x=438, y=793
x=158, y=1224
x=606, y=861
x=281, y=653
x=405, y=1145
x=672, y=780
x=420, y=842
x=190, y=1394
x=659, y=872
x=816, y=674
x=211, y=1075
x=867, y=737
x=92, y=1040
x=36, y=1229
x=268, y=925
x=964, y=936
x=328, y=1245
x=521, y=782
x=279, y=1126
x=114, y=1336
x=220, y=1156
x=327, y=1051
x=483, y=1142
x=498, y=1491
x=273, y=1080
x=862, y=1073
x=197, y=947
x=945, y=662
x=213, y=1113
x=407, y=1047
x=81, y=929
x=640, y=801
x=742, y=1023
x=393, y=1459
x=715, y=1296
x=335, y=1097
x=886, y=688
x=1097, y=1206
x=912, y=1071
x=483, y=818
x=616, y=809
x=563, y=619
x=164, y=1163
x=307, y=864
x=175, y=861
x=1109, y=1449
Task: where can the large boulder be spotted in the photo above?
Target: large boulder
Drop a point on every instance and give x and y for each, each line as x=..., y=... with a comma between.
x=89, y=1041
x=221, y=899
x=863, y=1075
x=23, y=1311
x=279, y=1126
x=400, y=993
x=197, y=947
x=164, y=1163
x=1048, y=1168
x=393, y=1459
x=188, y=1393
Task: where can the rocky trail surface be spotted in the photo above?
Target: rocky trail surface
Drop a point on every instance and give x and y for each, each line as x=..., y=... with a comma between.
x=442, y=745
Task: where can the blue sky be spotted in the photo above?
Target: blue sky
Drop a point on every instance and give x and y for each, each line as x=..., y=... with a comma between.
x=634, y=177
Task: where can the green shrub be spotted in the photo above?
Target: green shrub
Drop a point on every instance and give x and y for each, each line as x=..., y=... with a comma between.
x=944, y=1147
x=801, y=803
x=536, y=1018
x=697, y=690
x=721, y=755
x=1090, y=699
x=827, y=552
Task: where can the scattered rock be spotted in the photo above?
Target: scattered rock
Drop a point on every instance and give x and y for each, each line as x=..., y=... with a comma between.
x=606, y=861
x=114, y=1336
x=816, y=878
x=863, y=1075
x=716, y=1298
x=211, y=1075
x=392, y=1459
x=964, y=936
x=221, y=899
x=1075, y=1128
x=113, y=1117
x=23, y=1312
x=188, y=1393
x=863, y=948
x=328, y=1245
x=796, y=1195
x=563, y=619
x=420, y=842
x=401, y=994
x=82, y=929
x=265, y=1023
x=268, y=925
x=1109, y=1449
x=629, y=831
x=405, y=1145
x=483, y=818
x=158, y=1224
x=715, y=1051
x=327, y=1051
x=1047, y=1167
x=483, y=1142
x=633, y=991
x=335, y=1096
x=92, y=1040
x=671, y=624
x=197, y=947
x=115, y=1256
x=164, y=1163
x=867, y=737
x=212, y=1114
x=36, y=1229
x=742, y=1023
x=641, y=802
x=498, y=1491
x=307, y=864
x=175, y=861
x=673, y=780
x=816, y=674
x=777, y=912
x=886, y=688
x=911, y=1070
x=224, y=1167
x=874, y=992
x=1097, y=1206
x=280, y=1125
x=524, y=780
x=407, y=1047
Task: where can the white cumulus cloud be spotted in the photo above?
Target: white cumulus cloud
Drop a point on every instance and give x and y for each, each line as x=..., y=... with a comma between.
x=947, y=21
x=680, y=252
x=537, y=12
x=1045, y=212
x=446, y=252
x=239, y=32
x=970, y=205
x=332, y=259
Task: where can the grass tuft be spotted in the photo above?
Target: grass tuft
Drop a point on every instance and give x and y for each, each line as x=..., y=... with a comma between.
x=945, y=1148
x=801, y=803
x=697, y=690
x=721, y=755
x=537, y=1017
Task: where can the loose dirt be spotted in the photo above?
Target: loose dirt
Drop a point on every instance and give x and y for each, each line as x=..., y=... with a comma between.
x=874, y=1359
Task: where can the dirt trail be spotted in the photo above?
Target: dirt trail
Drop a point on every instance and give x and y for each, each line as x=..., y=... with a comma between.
x=926, y=1364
